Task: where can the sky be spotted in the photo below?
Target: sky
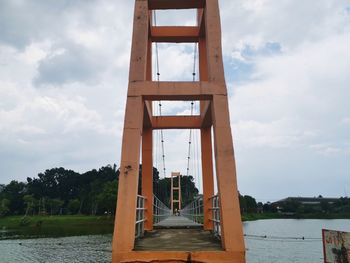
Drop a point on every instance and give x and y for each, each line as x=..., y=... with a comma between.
x=64, y=77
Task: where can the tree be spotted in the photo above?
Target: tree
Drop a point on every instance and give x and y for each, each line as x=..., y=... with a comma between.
x=55, y=205
x=268, y=207
x=73, y=206
x=4, y=207
x=250, y=203
x=59, y=189
x=242, y=203
x=29, y=201
x=107, y=198
x=247, y=204
x=14, y=193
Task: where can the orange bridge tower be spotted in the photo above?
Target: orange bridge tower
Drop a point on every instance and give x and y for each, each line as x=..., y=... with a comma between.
x=139, y=124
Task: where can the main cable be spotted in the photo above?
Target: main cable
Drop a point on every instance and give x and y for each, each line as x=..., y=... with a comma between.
x=159, y=102
x=192, y=109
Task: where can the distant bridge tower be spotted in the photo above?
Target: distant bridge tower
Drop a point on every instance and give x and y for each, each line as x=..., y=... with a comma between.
x=139, y=123
x=175, y=191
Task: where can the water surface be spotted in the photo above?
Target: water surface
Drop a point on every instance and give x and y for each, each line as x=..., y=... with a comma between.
x=284, y=239
x=283, y=244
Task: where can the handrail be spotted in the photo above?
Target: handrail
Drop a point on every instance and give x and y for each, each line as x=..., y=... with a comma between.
x=160, y=210
x=140, y=216
x=194, y=210
x=216, y=215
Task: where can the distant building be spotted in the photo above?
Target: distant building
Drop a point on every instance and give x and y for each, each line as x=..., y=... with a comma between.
x=290, y=204
x=307, y=200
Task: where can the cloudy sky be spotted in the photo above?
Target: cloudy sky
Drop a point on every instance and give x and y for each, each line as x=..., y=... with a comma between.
x=63, y=82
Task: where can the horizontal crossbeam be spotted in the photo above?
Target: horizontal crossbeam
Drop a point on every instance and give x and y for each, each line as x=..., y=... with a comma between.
x=175, y=4
x=147, y=115
x=175, y=34
x=186, y=91
x=176, y=122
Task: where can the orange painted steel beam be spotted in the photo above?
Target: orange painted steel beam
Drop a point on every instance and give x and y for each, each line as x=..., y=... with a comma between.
x=212, y=92
x=147, y=176
x=176, y=122
x=175, y=34
x=147, y=115
x=174, y=189
x=180, y=256
x=124, y=231
x=208, y=179
x=201, y=22
x=206, y=115
x=213, y=42
x=230, y=216
x=175, y=4
x=187, y=91
x=140, y=51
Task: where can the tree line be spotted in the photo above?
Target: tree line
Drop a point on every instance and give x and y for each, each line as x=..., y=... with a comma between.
x=61, y=191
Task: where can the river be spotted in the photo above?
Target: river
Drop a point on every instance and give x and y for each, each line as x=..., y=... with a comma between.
x=283, y=243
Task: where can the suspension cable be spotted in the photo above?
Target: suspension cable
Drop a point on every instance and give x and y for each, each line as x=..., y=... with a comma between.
x=159, y=103
x=192, y=109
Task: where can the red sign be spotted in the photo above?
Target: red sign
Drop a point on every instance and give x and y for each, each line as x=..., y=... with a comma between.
x=336, y=246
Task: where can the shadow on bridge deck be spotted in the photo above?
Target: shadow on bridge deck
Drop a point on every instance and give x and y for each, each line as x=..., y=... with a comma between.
x=178, y=233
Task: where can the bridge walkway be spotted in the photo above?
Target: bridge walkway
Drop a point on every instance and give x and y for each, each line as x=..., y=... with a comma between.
x=177, y=233
x=177, y=222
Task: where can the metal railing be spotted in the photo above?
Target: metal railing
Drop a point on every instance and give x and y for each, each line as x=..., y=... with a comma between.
x=160, y=210
x=216, y=215
x=140, y=216
x=194, y=210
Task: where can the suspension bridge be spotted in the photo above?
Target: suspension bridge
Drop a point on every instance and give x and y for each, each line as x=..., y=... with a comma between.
x=209, y=229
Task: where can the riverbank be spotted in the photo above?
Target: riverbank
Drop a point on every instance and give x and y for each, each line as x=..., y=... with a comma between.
x=256, y=216
x=14, y=227
x=54, y=226
x=261, y=216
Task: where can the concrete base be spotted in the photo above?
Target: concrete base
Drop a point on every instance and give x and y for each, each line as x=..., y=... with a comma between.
x=179, y=256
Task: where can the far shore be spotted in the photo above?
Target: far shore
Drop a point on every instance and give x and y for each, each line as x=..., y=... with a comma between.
x=19, y=227
x=15, y=227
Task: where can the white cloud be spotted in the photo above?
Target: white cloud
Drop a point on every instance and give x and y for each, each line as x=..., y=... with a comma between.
x=325, y=149
x=305, y=90
x=289, y=103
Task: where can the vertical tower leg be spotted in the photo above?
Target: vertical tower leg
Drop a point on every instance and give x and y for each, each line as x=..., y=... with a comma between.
x=172, y=194
x=179, y=191
x=147, y=176
x=231, y=225
x=124, y=232
x=207, y=172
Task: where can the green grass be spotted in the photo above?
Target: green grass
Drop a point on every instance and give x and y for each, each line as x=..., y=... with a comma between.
x=323, y=216
x=255, y=216
x=75, y=225
x=55, y=226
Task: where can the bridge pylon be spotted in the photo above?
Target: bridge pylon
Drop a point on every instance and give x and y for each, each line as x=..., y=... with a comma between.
x=139, y=123
x=175, y=191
